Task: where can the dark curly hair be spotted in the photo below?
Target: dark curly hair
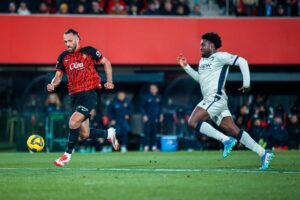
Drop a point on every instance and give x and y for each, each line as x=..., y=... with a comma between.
x=214, y=38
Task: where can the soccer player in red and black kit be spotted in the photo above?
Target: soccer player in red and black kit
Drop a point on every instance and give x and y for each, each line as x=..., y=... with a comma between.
x=78, y=63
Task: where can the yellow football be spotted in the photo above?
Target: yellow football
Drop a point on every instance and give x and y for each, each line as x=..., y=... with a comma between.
x=35, y=143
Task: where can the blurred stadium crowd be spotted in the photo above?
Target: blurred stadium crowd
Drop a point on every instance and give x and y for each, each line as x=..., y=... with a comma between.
x=272, y=125
x=245, y=8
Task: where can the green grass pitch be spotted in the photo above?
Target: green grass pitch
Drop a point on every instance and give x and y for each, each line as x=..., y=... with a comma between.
x=138, y=176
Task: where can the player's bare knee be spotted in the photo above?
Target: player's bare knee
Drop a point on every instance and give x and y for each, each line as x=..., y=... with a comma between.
x=74, y=124
x=192, y=123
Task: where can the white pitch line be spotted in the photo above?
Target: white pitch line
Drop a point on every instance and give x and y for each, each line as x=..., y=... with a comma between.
x=203, y=170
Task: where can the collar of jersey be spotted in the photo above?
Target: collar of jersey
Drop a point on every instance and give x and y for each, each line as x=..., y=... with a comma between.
x=211, y=55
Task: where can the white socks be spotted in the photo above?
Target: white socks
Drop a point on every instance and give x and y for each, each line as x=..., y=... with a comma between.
x=246, y=139
x=251, y=144
x=210, y=131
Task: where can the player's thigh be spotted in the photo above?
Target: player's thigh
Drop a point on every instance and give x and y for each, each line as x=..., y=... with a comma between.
x=209, y=107
x=228, y=125
x=76, y=119
x=198, y=114
x=217, y=109
x=86, y=101
x=85, y=129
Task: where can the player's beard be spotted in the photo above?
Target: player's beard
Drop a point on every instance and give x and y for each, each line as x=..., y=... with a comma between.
x=72, y=49
x=205, y=55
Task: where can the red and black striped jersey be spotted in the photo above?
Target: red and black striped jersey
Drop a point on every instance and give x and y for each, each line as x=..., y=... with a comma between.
x=79, y=67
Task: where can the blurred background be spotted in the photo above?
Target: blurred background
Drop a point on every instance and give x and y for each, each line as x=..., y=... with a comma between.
x=142, y=39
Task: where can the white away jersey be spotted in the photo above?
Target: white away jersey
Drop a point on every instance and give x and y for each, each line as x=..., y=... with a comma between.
x=213, y=72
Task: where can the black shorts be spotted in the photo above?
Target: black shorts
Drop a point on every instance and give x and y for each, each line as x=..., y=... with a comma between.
x=84, y=102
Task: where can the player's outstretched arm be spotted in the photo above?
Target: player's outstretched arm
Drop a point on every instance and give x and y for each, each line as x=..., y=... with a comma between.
x=244, y=67
x=55, y=81
x=108, y=72
x=182, y=61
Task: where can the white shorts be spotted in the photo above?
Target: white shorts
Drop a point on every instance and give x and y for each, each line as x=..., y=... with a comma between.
x=216, y=106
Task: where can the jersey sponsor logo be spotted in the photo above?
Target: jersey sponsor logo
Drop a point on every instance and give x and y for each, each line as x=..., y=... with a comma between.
x=205, y=66
x=76, y=66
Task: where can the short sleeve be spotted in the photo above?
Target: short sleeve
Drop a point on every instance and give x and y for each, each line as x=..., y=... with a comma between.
x=227, y=58
x=60, y=62
x=96, y=55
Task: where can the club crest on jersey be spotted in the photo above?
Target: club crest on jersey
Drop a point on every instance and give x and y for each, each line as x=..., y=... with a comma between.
x=76, y=66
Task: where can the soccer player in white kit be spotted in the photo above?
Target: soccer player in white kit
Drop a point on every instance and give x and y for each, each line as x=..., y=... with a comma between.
x=211, y=75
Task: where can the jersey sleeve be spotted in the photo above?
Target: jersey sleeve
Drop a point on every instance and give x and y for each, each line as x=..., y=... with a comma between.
x=190, y=71
x=96, y=55
x=60, y=63
x=227, y=58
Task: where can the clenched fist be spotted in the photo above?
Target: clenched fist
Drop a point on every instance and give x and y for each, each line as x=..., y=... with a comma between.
x=109, y=85
x=182, y=61
x=50, y=87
